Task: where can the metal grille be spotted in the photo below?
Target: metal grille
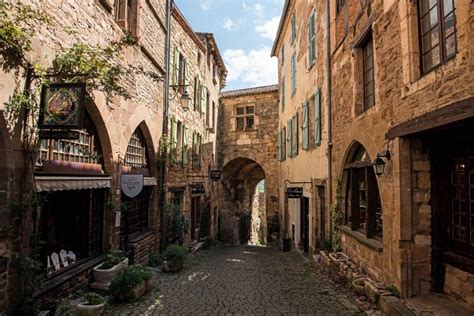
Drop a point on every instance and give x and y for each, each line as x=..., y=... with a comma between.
x=136, y=155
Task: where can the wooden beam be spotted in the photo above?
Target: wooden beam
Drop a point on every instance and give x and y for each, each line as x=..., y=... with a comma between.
x=454, y=112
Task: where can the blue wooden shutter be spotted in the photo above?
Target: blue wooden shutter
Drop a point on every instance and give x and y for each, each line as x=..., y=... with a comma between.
x=317, y=117
x=305, y=127
x=296, y=131
x=290, y=138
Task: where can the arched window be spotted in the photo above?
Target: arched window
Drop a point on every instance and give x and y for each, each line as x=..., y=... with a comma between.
x=137, y=155
x=363, y=206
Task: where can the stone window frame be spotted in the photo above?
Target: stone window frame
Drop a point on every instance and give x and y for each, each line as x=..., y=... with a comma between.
x=443, y=55
x=359, y=168
x=137, y=152
x=245, y=116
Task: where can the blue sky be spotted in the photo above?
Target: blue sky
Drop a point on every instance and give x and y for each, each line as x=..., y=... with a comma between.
x=244, y=31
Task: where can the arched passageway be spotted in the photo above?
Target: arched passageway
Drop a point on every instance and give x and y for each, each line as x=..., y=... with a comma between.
x=242, y=203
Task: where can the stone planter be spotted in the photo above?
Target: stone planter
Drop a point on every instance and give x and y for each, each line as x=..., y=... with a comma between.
x=358, y=285
x=137, y=291
x=82, y=309
x=172, y=265
x=104, y=277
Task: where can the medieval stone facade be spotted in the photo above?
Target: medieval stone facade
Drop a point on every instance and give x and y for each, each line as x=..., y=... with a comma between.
x=401, y=98
x=247, y=138
x=121, y=137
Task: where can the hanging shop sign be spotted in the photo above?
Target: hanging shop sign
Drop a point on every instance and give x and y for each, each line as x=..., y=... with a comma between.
x=58, y=134
x=216, y=175
x=294, y=193
x=132, y=184
x=62, y=106
x=197, y=188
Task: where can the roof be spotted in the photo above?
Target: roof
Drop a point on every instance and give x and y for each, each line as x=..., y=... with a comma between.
x=280, y=26
x=250, y=91
x=210, y=39
x=179, y=17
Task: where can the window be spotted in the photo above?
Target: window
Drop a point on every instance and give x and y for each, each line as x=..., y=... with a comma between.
x=305, y=126
x=289, y=138
x=437, y=32
x=177, y=141
x=368, y=73
x=85, y=149
x=283, y=94
x=339, y=5
x=135, y=218
x=293, y=28
x=213, y=124
x=363, y=206
x=312, y=39
x=317, y=117
x=126, y=15
x=177, y=199
x=282, y=144
x=244, y=118
x=293, y=74
x=208, y=109
x=136, y=154
x=197, y=150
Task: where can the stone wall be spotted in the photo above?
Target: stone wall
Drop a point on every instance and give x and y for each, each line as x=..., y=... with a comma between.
x=246, y=157
x=459, y=284
x=141, y=249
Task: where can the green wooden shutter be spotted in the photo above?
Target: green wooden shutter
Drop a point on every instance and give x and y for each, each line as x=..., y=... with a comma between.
x=317, y=117
x=311, y=39
x=193, y=151
x=279, y=147
x=290, y=138
x=283, y=94
x=175, y=67
x=305, y=127
x=185, y=146
x=196, y=92
x=296, y=130
x=203, y=99
x=293, y=74
x=174, y=140
x=283, y=143
x=201, y=150
x=186, y=73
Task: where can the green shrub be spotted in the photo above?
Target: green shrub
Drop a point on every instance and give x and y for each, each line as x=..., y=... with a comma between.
x=393, y=290
x=123, y=283
x=94, y=299
x=174, y=253
x=154, y=259
x=113, y=258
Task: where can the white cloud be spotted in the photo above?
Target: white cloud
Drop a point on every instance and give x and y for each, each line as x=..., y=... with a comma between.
x=268, y=29
x=255, y=67
x=205, y=4
x=228, y=24
x=257, y=8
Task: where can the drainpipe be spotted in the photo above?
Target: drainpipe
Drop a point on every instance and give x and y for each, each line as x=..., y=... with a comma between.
x=329, y=117
x=164, y=132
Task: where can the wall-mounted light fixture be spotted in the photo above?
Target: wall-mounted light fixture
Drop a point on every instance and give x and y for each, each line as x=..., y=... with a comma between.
x=379, y=163
x=185, y=99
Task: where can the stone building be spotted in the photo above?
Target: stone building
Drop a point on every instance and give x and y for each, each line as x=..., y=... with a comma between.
x=401, y=100
x=198, y=65
x=247, y=154
x=78, y=182
x=303, y=129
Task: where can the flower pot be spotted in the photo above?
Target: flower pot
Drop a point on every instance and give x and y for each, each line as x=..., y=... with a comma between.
x=103, y=277
x=82, y=309
x=172, y=265
x=358, y=286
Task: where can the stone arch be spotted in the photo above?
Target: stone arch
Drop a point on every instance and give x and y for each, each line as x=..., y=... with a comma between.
x=6, y=166
x=150, y=147
x=104, y=135
x=241, y=217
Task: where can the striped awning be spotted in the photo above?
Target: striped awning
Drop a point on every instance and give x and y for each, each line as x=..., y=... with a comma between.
x=57, y=183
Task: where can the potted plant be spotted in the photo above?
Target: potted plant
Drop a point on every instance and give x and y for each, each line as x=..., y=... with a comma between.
x=131, y=283
x=154, y=260
x=105, y=272
x=93, y=306
x=173, y=258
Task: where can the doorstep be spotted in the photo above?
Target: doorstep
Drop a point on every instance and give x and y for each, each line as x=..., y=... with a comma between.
x=437, y=304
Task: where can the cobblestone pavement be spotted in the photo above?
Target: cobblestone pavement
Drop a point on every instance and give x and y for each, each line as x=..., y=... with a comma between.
x=243, y=280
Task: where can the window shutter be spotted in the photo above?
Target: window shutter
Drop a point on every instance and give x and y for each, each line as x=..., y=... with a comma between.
x=186, y=73
x=283, y=143
x=185, y=146
x=293, y=74
x=305, y=127
x=174, y=140
x=201, y=150
x=296, y=130
x=193, y=151
x=175, y=67
x=283, y=94
x=203, y=99
x=317, y=117
x=290, y=138
x=279, y=147
x=122, y=14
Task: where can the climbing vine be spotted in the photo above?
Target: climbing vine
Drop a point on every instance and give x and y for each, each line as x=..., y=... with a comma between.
x=337, y=218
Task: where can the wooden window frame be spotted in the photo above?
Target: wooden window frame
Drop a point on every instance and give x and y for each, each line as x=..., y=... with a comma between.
x=245, y=116
x=136, y=216
x=126, y=15
x=367, y=68
x=442, y=37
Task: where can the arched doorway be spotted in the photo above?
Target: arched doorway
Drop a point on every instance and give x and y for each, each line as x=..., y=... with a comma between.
x=242, y=214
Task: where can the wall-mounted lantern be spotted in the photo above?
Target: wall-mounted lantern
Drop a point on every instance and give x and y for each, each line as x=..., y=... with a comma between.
x=379, y=163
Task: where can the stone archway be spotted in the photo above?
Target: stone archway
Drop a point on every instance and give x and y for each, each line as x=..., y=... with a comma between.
x=242, y=219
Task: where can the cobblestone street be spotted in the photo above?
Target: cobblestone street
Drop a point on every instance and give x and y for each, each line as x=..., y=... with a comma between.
x=243, y=280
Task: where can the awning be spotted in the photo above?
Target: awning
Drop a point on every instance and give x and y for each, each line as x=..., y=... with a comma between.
x=149, y=181
x=52, y=183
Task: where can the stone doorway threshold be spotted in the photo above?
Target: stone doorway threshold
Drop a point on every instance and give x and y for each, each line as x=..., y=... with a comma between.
x=437, y=304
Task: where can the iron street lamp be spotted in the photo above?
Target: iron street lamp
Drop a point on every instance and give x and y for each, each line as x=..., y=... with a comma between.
x=379, y=163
